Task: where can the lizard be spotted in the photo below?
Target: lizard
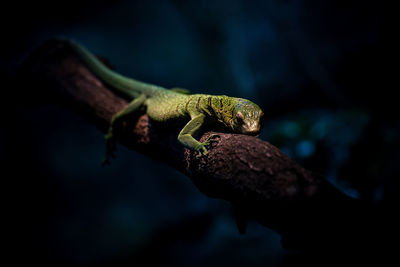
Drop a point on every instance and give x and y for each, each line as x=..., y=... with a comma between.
x=238, y=115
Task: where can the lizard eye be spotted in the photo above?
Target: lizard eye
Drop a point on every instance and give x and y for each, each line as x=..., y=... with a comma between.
x=239, y=116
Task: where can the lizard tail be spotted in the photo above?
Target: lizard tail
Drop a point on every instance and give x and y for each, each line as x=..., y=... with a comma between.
x=122, y=84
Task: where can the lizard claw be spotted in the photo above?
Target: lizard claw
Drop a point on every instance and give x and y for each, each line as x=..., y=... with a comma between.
x=202, y=153
x=110, y=148
x=211, y=139
x=202, y=150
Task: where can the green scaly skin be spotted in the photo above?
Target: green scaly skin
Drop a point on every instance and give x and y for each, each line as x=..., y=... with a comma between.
x=237, y=114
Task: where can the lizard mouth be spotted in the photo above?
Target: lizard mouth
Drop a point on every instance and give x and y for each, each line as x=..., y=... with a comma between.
x=254, y=130
x=254, y=133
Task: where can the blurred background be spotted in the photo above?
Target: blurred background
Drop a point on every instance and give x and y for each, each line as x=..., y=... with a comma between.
x=319, y=70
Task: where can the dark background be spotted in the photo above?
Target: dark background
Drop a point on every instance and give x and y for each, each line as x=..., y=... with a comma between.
x=319, y=69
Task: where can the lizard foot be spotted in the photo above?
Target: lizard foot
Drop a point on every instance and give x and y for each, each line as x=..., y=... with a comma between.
x=211, y=139
x=110, y=148
x=202, y=150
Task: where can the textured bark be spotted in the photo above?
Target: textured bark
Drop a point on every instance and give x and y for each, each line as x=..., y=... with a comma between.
x=260, y=180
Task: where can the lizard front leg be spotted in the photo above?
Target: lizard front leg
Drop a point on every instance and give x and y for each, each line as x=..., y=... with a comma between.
x=186, y=135
x=132, y=108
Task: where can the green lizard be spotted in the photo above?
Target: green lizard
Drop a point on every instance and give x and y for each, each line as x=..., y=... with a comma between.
x=236, y=114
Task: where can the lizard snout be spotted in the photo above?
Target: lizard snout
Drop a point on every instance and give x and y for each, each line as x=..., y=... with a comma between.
x=253, y=129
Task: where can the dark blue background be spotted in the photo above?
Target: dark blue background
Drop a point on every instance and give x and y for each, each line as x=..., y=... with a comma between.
x=319, y=69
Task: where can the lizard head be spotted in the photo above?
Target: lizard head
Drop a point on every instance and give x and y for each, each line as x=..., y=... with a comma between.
x=247, y=117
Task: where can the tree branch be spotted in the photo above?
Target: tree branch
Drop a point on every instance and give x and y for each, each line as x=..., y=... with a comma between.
x=260, y=180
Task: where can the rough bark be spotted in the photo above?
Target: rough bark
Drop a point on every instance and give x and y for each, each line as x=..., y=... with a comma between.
x=257, y=178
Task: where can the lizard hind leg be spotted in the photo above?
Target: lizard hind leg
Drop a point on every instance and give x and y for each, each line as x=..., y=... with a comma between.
x=132, y=108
